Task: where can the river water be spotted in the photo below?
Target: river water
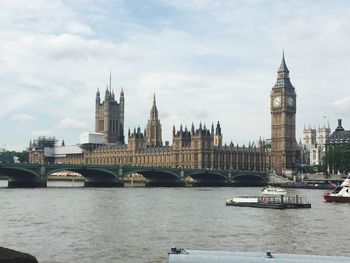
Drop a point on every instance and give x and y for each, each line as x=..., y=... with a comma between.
x=68, y=223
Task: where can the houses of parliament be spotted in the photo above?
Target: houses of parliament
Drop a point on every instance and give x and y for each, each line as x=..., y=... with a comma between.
x=192, y=147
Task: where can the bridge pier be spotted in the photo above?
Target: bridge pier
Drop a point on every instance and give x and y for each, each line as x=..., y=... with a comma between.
x=102, y=182
x=26, y=184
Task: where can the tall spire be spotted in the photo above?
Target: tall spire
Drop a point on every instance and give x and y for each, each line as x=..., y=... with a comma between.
x=154, y=110
x=283, y=80
x=283, y=66
x=110, y=79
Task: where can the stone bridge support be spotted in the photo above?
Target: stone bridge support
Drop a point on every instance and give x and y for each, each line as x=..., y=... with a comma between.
x=24, y=177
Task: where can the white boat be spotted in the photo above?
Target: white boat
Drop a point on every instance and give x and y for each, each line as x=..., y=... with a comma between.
x=341, y=194
x=269, y=201
x=270, y=190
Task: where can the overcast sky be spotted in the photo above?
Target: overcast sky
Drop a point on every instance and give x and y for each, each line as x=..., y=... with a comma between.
x=205, y=61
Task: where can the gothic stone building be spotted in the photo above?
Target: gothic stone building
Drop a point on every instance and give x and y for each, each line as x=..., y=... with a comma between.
x=200, y=148
x=195, y=148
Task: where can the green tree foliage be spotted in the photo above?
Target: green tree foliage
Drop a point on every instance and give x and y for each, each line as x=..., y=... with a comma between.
x=23, y=156
x=338, y=159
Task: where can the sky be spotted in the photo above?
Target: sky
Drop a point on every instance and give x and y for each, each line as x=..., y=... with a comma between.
x=206, y=61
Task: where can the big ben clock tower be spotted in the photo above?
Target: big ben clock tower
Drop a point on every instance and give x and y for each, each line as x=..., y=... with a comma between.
x=283, y=109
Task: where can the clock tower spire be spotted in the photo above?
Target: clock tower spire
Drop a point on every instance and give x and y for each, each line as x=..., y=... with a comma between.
x=283, y=111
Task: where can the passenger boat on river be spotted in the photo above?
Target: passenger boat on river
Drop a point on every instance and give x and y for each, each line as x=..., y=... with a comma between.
x=271, y=190
x=273, y=201
x=341, y=194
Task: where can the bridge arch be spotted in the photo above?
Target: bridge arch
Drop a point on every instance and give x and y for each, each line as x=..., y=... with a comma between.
x=95, y=177
x=208, y=178
x=22, y=177
x=157, y=177
x=249, y=179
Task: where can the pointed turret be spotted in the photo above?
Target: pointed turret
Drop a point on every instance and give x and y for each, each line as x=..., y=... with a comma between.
x=98, y=97
x=154, y=110
x=110, y=79
x=283, y=80
x=218, y=129
x=107, y=93
x=154, y=128
x=283, y=67
x=340, y=127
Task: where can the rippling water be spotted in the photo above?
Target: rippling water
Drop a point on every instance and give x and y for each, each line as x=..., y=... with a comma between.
x=76, y=224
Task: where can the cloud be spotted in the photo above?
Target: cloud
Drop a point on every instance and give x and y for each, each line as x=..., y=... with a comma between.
x=46, y=133
x=342, y=105
x=206, y=61
x=22, y=118
x=70, y=123
x=77, y=28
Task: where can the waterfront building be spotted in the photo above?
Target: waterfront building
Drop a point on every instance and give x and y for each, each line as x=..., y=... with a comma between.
x=197, y=148
x=45, y=150
x=283, y=111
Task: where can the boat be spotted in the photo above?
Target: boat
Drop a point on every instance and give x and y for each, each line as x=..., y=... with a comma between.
x=341, y=194
x=269, y=201
x=270, y=190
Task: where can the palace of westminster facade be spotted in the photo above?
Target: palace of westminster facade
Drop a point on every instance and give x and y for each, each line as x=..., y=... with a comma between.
x=197, y=148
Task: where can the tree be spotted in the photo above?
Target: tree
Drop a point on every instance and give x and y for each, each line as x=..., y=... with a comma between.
x=338, y=159
x=22, y=156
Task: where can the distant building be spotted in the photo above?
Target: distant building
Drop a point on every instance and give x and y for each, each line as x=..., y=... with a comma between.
x=339, y=137
x=314, y=147
x=6, y=159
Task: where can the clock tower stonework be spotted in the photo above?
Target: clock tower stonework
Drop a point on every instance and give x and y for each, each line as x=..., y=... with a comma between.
x=283, y=110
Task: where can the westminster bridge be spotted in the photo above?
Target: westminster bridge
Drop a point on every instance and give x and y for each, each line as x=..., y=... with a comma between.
x=35, y=175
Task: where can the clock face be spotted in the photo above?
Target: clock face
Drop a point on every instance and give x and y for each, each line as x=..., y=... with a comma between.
x=290, y=101
x=276, y=101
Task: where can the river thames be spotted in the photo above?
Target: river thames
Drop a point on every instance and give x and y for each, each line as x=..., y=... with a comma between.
x=62, y=223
